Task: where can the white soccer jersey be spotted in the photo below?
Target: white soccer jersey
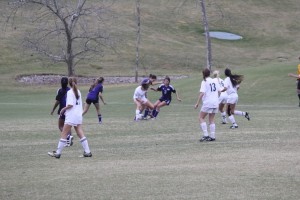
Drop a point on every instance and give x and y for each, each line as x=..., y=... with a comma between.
x=223, y=95
x=230, y=89
x=74, y=114
x=211, y=89
x=139, y=93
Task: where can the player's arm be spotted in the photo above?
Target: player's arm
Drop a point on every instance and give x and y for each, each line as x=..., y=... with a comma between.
x=177, y=96
x=54, y=106
x=101, y=97
x=293, y=75
x=201, y=94
x=65, y=108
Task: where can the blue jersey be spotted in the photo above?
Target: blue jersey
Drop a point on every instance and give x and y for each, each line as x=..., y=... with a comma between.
x=62, y=98
x=166, y=92
x=94, y=93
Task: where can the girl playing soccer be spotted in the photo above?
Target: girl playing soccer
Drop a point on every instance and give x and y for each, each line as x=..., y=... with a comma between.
x=140, y=100
x=73, y=112
x=95, y=92
x=231, y=85
x=60, y=98
x=209, y=94
x=222, y=98
x=166, y=97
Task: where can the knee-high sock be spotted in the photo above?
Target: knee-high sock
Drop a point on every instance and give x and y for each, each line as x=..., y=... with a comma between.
x=61, y=145
x=237, y=112
x=232, y=120
x=85, y=145
x=212, y=128
x=204, y=128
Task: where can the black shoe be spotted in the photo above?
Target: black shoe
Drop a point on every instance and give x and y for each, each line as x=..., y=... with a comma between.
x=209, y=139
x=204, y=138
x=233, y=127
x=247, y=116
x=54, y=154
x=87, y=154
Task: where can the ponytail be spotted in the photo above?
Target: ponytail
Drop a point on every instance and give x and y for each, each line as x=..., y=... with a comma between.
x=235, y=79
x=73, y=84
x=205, y=73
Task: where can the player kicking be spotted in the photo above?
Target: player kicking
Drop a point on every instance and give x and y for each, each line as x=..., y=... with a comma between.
x=231, y=85
x=140, y=100
x=209, y=94
x=166, y=98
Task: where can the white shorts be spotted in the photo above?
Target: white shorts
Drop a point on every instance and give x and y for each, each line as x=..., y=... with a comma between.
x=209, y=110
x=223, y=99
x=72, y=124
x=232, y=99
x=143, y=99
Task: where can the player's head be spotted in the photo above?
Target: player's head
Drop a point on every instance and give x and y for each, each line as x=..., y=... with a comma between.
x=152, y=77
x=145, y=84
x=100, y=80
x=167, y=80
x=216, y=74
x=73, y=84
x=64, y=82
x=205, y=73
x=227, y=72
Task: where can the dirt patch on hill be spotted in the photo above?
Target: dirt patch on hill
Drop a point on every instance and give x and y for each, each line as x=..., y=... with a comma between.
x=53, y=79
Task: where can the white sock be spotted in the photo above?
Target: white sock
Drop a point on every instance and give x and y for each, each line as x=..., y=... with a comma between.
x=137, y=114
x=237, y=112
x=212, y=128
x=204, y=128
x=85, y=145
x=223, y=114
x=61, y=145
x=231, y=118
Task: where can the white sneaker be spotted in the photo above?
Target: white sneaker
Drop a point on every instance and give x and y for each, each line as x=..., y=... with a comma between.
x=69, y=141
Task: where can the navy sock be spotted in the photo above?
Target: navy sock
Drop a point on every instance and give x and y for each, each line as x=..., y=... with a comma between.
x=146, y=113
x=154, y=112
x=100, y=118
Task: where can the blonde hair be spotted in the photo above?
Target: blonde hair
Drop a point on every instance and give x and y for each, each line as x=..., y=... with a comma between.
x=216, y=74
x=73, y=84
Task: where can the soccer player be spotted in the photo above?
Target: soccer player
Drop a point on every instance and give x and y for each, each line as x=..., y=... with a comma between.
x=166, y=98
x=298, y=80
x=60, y=98
x=209, y=94
x=95, y=92
x=140, y=99
x=231, y=86
x=152, y=81
x=73, y=112
x=222, y=98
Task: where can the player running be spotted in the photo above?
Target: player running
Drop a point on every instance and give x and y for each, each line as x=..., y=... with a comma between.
x=222, y=98
x=298, y=81
x=61, y=98
x=209, y=94
x=95, y=92
x=231, y=85
x=166, y=98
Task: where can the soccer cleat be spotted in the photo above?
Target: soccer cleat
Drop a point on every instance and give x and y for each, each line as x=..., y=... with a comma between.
x=210, y=139
x=204, y=138
x=223, y=122
x=87, y=154
x=247, y=116
x=54, y=154
x=69, y=141
x=233, y=126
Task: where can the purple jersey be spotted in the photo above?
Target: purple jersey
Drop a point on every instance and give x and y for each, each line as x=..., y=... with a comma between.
x=166, y=91
x=62, y=98
x=94, y=93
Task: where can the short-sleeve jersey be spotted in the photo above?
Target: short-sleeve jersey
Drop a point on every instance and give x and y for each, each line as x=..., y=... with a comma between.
x=94, y=93
x=230, y=89
x=222, y=85
x=210, y=87
x=61, y=96
x=139, y=93
x=74, y=114
x=166, y=91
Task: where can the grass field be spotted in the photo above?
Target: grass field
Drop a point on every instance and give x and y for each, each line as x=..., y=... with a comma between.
x=161, y=159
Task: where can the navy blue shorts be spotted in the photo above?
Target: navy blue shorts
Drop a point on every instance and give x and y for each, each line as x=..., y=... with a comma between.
x=89, y=101
x=63, y=116
x=168, y=101
x=298, y=85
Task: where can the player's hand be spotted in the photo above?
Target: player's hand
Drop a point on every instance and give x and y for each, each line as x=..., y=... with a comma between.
x=196, y=106
x=179, y=100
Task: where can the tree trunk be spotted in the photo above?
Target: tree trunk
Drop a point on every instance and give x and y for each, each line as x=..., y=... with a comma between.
x=138, y=38
x=207, y=37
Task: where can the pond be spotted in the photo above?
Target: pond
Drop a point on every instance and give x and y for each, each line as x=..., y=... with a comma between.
x=224, y=35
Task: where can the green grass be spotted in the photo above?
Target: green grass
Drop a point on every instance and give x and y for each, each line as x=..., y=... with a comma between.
x=161, y=159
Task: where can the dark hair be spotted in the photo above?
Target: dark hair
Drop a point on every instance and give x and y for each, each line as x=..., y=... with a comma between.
x=97, y=81
x=73, y=84
x=145, y=86
x=167, y=78
x=205, y=73
x=152, y=76
x=235, y=79
x=64, y=83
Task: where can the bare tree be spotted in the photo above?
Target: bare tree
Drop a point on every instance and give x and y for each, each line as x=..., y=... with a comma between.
x=66, y=31
x=207, y=37
x=138, y=38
